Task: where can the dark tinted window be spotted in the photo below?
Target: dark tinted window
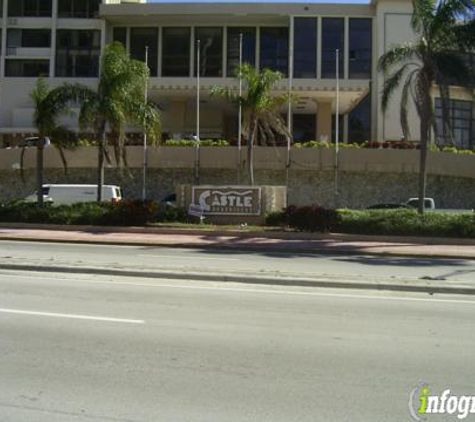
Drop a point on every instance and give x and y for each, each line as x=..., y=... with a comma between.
x=304, y=127
x=29, y=38
x=211, y=51
x=77, y=53
x=78, y=8
x=359, y=121
x=333, y=38
x=305, y=48
x=462, y=122
x=248, y=48
x=27, y=68
x=141, y=38
x=360, y=48
x=176, y=52
x=25, y=8
x=120, y=35
x=274, y=49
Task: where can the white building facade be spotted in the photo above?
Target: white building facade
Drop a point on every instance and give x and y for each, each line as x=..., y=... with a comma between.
x=63, y=40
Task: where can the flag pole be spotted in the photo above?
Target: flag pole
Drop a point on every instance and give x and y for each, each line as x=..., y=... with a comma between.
x=144, y=158
x=337, y=125
x=197, y=140
x=239, y=113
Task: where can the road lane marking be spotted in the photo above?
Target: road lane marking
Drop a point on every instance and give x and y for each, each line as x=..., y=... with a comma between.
x=157, y=284
x=209, y=258
x=71, y=316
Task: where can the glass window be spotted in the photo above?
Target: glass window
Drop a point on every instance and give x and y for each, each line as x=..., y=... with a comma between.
x=120, y=35
x=305, y=48
x=27, y=68
x=462, y=121
x=77, y=53
x=304, y=126
x=29, y=38
x=274, y=49
x=248, y=48
x=25, y=8
x=78, y=8
x=176, y=52
x=359, y=121
x=211, y=51
x=141, y=38
x=333, y=38
x=1, y=9
x=360, y=48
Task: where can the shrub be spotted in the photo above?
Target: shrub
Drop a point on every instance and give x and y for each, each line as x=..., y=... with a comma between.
x=311, y=218
x=275, y=219
x=192, y=143
x=406, y=222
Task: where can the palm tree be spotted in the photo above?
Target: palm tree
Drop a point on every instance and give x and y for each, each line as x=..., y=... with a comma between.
x=45, y=116
x=118, y=101
x=445, y=32
x=261, y=110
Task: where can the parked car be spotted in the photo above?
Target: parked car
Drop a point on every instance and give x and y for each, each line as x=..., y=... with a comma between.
x=412, y=203
x=168, y=200
x=71, y=194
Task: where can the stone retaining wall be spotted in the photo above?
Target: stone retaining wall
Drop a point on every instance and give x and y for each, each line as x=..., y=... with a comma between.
x=357, y=189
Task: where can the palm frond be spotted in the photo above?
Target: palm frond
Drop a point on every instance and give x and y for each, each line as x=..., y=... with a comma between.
x=391, y=84
x=403, y=108
x=397, y=55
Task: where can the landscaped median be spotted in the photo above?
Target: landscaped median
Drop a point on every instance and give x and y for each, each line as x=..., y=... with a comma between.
x=401, y=222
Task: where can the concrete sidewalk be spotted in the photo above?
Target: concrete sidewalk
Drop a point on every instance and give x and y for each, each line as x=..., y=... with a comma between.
x=245, y=240
x=242, y=240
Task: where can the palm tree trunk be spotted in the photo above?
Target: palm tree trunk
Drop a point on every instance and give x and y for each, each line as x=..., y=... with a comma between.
x=425, y=128
x=39, y=170
x=250, y=153
x=100, y=169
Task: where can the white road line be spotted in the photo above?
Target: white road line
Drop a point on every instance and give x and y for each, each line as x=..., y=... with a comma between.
x=188, y=257
x=156, y=284
x=71, y=316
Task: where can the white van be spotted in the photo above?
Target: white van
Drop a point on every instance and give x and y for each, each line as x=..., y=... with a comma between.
x=71, y=194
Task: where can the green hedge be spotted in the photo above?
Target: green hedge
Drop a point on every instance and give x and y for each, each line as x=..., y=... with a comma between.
x=125, y=213
x=407, y=222
x=402, y=222
x=192, y=143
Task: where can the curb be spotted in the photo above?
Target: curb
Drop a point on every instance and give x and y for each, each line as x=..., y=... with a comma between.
x=321, y=250
x=284, y=235
x=426, y=286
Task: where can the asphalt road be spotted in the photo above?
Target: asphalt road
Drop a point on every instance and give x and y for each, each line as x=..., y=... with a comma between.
x=263, y=263
x=84, y=348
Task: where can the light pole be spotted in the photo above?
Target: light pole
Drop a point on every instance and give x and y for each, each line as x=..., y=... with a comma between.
x=197, y=140
x=144, y=158
x=239, y=113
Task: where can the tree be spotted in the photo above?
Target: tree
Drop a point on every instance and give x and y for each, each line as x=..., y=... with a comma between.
x=118, y=101
x=45, y=119
x=261, y=110
x=445, y=32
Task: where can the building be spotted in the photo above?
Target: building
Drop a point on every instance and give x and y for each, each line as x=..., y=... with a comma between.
x=63, y=39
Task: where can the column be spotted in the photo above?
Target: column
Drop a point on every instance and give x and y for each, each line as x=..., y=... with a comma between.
x=176, y=116
x=324, y=120
x=3, y=41
x=52, y=59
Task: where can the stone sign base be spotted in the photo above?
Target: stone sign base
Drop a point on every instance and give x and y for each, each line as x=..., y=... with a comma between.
x=231, y=204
